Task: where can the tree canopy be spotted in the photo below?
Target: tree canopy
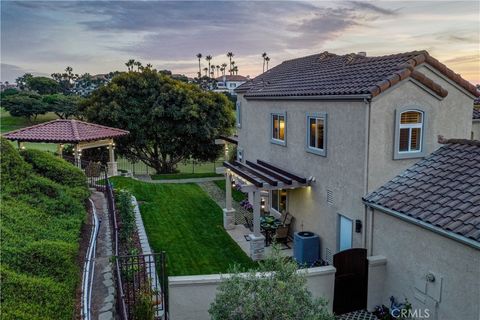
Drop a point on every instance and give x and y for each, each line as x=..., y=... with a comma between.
x=169, y=121
x=43, y=85
x=24, y=104
x=62, y=105
x=276, y=291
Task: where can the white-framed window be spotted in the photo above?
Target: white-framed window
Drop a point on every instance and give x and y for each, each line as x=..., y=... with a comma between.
x=409, y=133
x=240, y=155
x=278, y=128
x=278, y=200
x=238, y=110
x=317, y=133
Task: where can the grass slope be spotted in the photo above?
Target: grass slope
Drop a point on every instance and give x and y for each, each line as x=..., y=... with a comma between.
x=184, y=221
x=182, y=175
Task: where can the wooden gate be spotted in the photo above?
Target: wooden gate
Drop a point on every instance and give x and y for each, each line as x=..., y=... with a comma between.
x=351, y=280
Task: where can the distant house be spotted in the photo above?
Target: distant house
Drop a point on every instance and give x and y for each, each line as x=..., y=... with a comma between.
x=476, y=120
x=228, y=83
x=426, y=222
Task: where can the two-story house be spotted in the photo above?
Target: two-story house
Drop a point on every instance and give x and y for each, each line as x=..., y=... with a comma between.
x=340, y=126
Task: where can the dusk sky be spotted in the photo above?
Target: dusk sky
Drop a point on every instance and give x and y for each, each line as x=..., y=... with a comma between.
x=98, y=37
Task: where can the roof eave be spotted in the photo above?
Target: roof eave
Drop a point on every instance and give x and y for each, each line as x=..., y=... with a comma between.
x=454, y=236
x=350, y=97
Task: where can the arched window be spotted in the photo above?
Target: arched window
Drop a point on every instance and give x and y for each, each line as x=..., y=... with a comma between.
x=410, y=131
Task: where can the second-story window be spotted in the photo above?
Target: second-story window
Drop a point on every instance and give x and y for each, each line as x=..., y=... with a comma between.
x=278, y=128
x=410, y=131
x=316, y=133
x=238, y=110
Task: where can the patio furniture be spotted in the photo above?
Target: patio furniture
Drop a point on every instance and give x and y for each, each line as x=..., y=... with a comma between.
x=248, y=223
x=281, y=235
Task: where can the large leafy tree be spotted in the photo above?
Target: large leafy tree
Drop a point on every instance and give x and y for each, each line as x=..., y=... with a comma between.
x=276, y=291
x=62, y=105
x=43, y=85
x=25, y=104
x=169, y=121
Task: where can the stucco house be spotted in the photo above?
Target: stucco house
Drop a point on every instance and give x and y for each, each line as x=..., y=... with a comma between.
x=426, y=222
x=228, y=83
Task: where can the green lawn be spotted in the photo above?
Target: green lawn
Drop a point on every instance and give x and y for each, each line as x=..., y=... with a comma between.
x=184, y=221
x=189, y=167
x=236, y=195
x=10, y=123
x=183, y=175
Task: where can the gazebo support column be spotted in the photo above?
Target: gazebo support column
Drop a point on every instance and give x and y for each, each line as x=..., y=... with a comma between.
x=60, y=150
x=112, y=164
x=257, y=240
x=77, y=152
x=228, y=211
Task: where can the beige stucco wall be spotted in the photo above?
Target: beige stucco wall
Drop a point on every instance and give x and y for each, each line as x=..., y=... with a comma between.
x=476, y=129
x=341, y=171
x=411, y=252
x=450, y=117
x=190, y=296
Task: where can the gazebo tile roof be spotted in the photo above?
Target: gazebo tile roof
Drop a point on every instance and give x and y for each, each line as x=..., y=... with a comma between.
x=64, y=131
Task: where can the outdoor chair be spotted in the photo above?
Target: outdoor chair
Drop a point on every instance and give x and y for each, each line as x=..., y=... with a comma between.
x=281, y=235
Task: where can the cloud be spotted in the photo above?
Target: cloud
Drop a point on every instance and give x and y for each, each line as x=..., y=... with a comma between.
x=464, y=59
x=10, y=72
x=368, y=6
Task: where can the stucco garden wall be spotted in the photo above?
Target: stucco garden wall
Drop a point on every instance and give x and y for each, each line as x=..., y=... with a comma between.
x=190, y=296
x=412, y=252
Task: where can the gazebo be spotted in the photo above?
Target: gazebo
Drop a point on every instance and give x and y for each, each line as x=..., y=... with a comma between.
x=82, y=135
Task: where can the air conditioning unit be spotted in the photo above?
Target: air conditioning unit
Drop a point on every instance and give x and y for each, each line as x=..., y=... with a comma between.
x=306, y=248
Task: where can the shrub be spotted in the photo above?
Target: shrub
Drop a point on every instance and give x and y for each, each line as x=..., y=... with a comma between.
x=54, y=168
x=12, y=165
x=123, y=201
x=278, y=291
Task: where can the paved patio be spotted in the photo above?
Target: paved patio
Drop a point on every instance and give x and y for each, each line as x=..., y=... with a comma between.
x=240, y=235
x=357, y=315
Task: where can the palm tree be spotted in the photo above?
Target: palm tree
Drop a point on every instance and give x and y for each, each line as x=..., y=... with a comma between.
x=212, y=74
x=235, y=70
x=138, y=64
x=208, y=58
x=230, y=56
x=149, y=66
x=199, y=57
x=130, y=63
x=264, y=55
x=232, y=66
x=267, y=59
x=206, y=70
x=218, y=69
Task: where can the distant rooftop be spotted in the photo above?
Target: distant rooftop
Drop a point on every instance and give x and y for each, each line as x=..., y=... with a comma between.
x=232, y=77
x=327, y=74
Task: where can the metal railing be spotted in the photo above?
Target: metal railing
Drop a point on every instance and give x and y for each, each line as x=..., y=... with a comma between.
x=141, y=280
x=94, y=171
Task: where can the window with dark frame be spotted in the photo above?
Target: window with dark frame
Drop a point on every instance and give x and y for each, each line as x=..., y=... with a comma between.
x=316, y=126
x=278, y=127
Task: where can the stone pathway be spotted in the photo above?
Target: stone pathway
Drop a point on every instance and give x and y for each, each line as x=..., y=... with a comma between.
x=103, y=291
x=218, y=196
x=191, y=180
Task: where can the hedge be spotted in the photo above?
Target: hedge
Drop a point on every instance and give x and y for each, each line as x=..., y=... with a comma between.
x=54, y=168
x=42, y=209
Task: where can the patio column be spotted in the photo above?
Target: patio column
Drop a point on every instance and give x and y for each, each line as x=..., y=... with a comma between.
x=228, y=211
x=112, y=165
x=257, y=240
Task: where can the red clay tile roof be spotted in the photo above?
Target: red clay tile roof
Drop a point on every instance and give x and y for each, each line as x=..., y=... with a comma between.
x=442, y=190
x=327, y=74
x=64, y=131
x=232, y=77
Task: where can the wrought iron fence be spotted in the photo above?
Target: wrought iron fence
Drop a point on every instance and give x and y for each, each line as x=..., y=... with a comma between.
x=190, y=166
x=94, y=171
x=141, y=280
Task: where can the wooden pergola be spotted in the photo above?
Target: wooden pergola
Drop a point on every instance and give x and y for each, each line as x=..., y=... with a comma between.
x=253, y=178
x=83, y=135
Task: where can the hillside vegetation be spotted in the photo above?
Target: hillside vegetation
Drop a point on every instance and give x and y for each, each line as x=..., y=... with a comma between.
x=42, y=211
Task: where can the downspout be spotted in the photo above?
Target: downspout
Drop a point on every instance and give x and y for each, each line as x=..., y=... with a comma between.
x=368, y=223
